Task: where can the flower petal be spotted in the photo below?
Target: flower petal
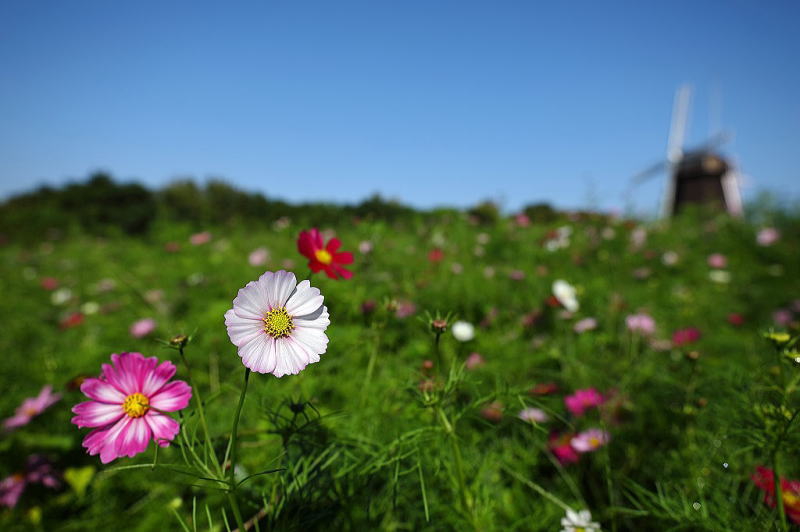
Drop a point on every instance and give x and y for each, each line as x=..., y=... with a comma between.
x=156, y=378
x=305, y=300
x=283, y=283
x=174, y=396
x=94, y=414
x=250, y=302
x=164, y=428
x=134, y=438
x=102, y=391
x=242, y=330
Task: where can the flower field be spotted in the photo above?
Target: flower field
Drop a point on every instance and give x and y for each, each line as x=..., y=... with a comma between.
x=439, y=373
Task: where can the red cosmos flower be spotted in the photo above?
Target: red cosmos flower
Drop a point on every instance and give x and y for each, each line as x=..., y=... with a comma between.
x=735, y=319
x=764, y=479
x=435, y=255
x=73, y=320
x=323, y=257
x=682, y=337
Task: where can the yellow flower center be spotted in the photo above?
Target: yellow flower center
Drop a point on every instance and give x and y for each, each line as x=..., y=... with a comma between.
x=31, y=411
x=324, y=256
x=594, y=442
x=136, y=405
x=278, y=323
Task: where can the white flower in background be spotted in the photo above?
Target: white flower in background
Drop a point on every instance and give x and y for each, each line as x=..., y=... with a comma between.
x=90, y=307
x=482, y=238
x=560, y=240
x=533, y=415
x=456, y=268
x=720, y=276
x=669, y=258
x=638, y=237
x=579, y=522
x=278, y=325
x=61, y=296
x=365, y=247
x=608, y=233
x=565, y=293
x=463, y=331
x=438, y=239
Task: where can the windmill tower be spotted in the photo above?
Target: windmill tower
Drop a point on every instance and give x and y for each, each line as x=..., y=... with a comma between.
x=699, y=176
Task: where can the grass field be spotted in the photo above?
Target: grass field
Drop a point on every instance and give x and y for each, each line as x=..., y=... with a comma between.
x=398, y=428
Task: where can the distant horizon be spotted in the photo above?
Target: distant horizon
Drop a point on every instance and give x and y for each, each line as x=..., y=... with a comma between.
x=784, y=200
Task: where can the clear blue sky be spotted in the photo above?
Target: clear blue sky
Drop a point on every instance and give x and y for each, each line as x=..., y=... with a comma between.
x=431, y=102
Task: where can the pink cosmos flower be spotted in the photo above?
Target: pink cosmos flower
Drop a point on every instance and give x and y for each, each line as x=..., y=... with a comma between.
x=686, y=336
x=198, y=239
x=38, y=470
x=586, y=324
x=717, y=260
x=559, y=445
x=32, y=407
x=767, y=236
x=278, y=325
x=641, y=323
x=782, y=317
x=474, y=360
x=590, y=440
x=142, y=328
x=127, y=406
x=582, y=400
x=531, y=414
x=258, y=257
x=405, y=309
x=522, y=220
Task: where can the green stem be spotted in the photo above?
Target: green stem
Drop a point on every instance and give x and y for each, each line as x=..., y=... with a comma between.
x=778, y=491
x=201, y=412
x=233, y=445
x=459, y=463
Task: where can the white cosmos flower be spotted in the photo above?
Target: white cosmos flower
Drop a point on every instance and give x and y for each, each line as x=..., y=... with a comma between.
x=579, y=521
x=565, y=293
x=278, y=325
x=463, y=331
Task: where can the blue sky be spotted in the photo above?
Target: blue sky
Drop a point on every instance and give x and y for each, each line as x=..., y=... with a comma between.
x=431, y=102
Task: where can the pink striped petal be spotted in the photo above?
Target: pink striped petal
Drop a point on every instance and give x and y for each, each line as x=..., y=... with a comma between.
x=102, y=391
x=164, y=427
x=133, y=439
x=94, y=414
x=155, y=379
x=174, y=396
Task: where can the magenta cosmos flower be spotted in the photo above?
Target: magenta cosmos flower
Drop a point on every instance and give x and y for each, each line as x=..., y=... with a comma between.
x=38, y=470
x=32, y=407
x=582, y=400
x=278, y=325
x=128, y=404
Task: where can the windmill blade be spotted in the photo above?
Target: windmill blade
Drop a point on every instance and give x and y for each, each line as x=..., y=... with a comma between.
x=649, y=172
x=680, y=117
x=714, y=142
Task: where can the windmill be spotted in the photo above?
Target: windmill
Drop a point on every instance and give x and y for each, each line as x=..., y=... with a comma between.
x=699, y=176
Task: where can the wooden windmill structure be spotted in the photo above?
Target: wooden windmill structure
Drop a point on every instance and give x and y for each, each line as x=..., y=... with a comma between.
x=699, y=176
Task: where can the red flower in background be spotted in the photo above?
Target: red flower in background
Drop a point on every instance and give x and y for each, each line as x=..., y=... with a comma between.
x=323, y=257
x=735, y=319
x=72, y=320
x=685, y=336
x=764, y=479
x=435, y=255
